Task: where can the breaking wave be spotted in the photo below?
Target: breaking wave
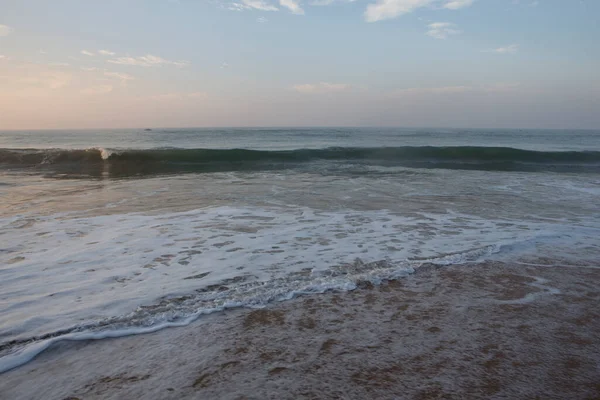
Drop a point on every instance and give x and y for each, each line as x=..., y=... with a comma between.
x=175, y=160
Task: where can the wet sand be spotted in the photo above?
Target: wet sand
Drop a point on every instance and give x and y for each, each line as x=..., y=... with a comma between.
x=474, y=331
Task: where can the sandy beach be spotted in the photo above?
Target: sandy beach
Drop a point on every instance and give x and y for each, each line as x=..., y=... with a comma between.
x=474, y=331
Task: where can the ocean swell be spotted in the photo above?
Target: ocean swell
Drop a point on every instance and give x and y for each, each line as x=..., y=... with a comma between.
x=175, y=160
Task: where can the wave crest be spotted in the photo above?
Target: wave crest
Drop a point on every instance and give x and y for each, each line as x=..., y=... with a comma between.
x=175, y=160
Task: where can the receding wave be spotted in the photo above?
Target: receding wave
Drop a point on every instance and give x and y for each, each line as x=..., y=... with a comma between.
x=231, y=293
x=167, y=160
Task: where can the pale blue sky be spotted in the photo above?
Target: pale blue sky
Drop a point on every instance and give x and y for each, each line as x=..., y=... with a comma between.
x=456, y=63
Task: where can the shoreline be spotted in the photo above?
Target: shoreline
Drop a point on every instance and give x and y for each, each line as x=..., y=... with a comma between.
x=489, y=330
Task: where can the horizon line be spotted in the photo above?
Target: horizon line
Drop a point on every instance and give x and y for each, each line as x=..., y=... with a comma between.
x=274, y=127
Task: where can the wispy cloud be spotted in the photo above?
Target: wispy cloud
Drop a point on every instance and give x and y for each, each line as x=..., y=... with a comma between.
x=322, y=87
x=87, y=53
x=261, y=20
x=259, y=5
x=387, y=9
x=510, y=49
x=275, y=5
x=5, y=30
x=106, y=53
x=441, y=30
x=293, y=6
x=3, y=57
x=89, y=69
x=456, y=4
x=252, y=5
x=236, y=7
x=97, y=90
x=120, y=76
x=147, y=61
x=329, y=2
x=59, y=64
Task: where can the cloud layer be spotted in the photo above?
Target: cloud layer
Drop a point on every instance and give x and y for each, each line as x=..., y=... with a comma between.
x=147, y=61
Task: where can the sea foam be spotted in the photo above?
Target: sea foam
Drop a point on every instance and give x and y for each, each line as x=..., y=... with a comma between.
x=77, y=278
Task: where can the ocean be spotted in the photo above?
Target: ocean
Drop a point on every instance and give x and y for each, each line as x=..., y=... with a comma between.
x=107, y=233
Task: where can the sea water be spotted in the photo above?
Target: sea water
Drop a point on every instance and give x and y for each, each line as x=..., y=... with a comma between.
x=108, y=233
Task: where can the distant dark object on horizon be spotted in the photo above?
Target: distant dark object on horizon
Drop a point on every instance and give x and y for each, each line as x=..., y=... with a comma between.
x=148, y=130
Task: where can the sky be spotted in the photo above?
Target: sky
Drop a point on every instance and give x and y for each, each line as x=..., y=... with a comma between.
x=208, y=63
